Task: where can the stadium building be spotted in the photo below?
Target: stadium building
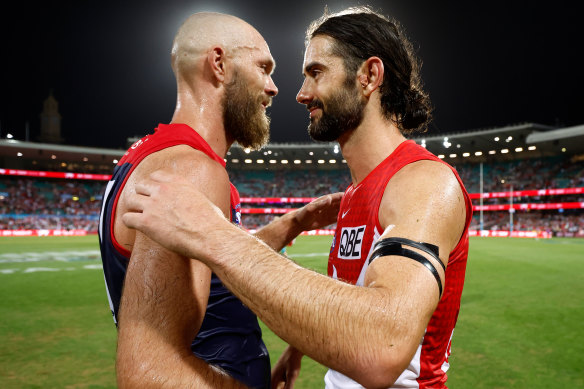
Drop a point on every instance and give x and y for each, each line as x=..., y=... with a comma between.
x=525, y=180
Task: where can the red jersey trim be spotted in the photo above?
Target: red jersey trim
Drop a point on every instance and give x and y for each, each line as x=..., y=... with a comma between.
x=173, y=130
x=429, y=157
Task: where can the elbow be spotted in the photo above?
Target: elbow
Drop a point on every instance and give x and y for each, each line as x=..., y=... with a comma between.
x=134, y=372
x=129, y=376
x=384, y=370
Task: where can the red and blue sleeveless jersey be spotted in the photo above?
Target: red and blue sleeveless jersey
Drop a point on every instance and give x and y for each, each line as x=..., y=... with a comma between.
x=229, y=336
x=358, y=230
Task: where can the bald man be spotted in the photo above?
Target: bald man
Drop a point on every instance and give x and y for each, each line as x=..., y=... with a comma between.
x=168, y=308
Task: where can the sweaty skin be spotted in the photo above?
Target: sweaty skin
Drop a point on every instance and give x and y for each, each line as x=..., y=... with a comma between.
x=165, y=293
x=369, y=333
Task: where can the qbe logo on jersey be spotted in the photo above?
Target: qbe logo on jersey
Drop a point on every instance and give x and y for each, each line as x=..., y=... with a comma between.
x=350, y=242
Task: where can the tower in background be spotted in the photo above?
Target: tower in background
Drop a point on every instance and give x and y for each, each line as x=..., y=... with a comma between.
x=50, y=121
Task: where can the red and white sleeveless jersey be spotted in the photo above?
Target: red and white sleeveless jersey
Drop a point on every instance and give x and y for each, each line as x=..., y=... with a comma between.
x=357, y=232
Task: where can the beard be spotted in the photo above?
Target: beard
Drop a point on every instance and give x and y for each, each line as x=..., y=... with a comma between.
x=244, y=118
x=344, y=112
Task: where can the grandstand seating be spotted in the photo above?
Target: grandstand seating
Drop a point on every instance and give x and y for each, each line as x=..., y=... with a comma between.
x=47, y=203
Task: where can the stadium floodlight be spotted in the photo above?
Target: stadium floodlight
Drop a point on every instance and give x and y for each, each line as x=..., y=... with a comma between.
x=247, y=150
x=531, y=148
x=297, y=162
x=452, y=156
x=9, y=136
x=19, y=154
x=336, y=149
x=441, y=156
x=115, y=161
x=466, y=155
x=518, y=149
x=229, y=153
x=311, y=153
x=509, y=139
x=491, y=152
x=446, y=144
x=478, y=153
x=85, y=159
x=563, y=149
x=284, y=161
x=344, y=161
x=321, y=161
x=53, y=156
x=260, y=161
x=247, y=160
x=332, y=161
x=273, y=161
x=235, y=160
x=458, y=146
x=496, y=139
x=423, y=143
x=308, y=161
x=504, y=151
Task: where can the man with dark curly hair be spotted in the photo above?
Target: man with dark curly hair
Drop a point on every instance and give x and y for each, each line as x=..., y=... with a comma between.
x=385, y=315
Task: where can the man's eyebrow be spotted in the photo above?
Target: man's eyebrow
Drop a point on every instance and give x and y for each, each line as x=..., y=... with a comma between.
x=269, y=63
x=308, y=68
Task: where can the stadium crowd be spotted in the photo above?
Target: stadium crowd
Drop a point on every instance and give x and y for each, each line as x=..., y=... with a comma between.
x=43, y=203
x=31, y=203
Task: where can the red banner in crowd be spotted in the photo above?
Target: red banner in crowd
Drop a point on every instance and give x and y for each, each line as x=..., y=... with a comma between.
x=507, y=234
x=276, y=211
x=476, y=208
x=277, y=200
x=7, y=233
x=527, y=206
x=528, y=193
x=43, y=174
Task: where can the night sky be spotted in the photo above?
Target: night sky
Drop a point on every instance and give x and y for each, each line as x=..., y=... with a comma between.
x=485, y=63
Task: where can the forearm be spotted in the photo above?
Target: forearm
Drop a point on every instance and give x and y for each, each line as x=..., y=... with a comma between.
x=280, y=232
x=154, y=363
x=163, y=303
x=345, y=327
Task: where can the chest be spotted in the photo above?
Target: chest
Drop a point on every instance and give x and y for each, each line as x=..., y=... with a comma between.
x=356, y=233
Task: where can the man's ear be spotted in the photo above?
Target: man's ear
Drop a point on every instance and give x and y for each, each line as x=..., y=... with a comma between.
x=370, y=75
x=216, y=62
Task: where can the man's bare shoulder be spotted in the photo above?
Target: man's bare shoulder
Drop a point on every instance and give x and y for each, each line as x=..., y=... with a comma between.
x=197, y=167
x=186, y=161
x=426, y=175
x=426, y=198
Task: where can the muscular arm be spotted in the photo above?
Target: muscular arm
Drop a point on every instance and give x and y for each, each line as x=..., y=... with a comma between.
x=165, y=295
x=162, y=308
x=317, y=214
x=368, y=333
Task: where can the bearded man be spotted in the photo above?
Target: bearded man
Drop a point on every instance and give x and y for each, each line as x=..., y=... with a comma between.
x=168, y=308
x=385, y=315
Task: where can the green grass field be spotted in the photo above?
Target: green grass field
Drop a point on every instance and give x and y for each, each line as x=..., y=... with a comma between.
x=521, y=316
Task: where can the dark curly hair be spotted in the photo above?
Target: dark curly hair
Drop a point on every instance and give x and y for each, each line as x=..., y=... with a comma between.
x=360, y=33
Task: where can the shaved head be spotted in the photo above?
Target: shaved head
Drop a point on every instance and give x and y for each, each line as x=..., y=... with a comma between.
x=223, y=68
x=205, y=30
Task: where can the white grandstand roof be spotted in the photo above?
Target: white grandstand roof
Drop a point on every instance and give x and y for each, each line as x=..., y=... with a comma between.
x=509, y=142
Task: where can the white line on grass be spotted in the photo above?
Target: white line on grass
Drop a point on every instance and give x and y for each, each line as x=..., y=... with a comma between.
x=63, y=256
x=308, y=255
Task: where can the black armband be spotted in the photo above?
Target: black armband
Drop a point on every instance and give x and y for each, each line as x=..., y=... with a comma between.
x=393, y=246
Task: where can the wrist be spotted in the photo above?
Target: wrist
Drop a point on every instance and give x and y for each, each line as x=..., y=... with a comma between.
x=218, y=245
x=291, y=226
